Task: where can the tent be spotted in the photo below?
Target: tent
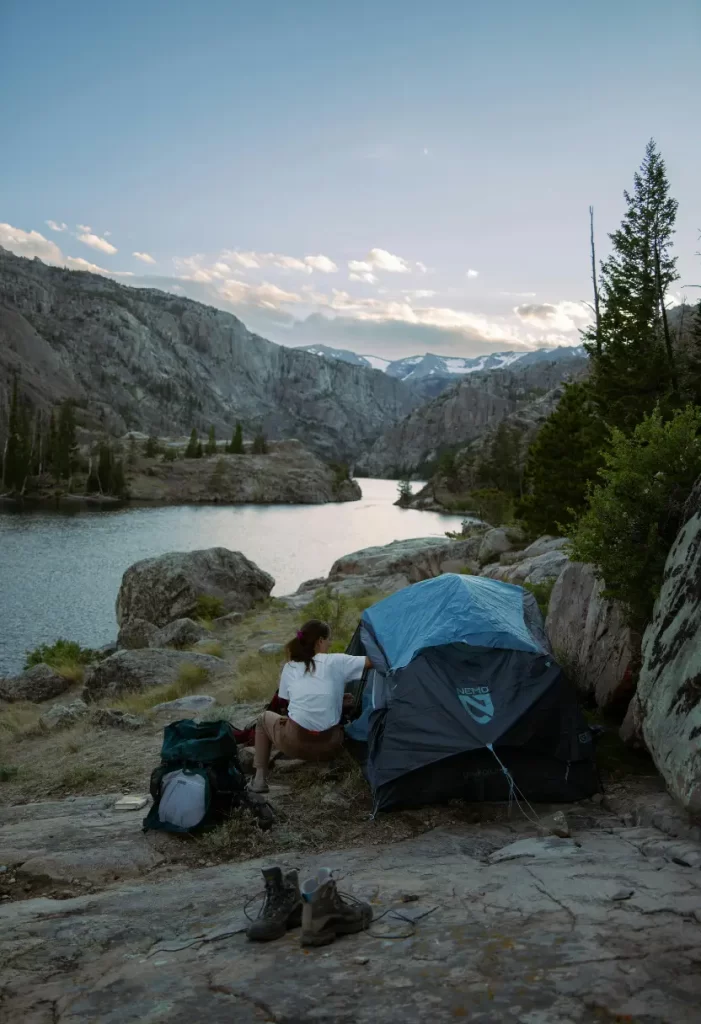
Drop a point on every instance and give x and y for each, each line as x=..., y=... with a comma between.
x=465, y=699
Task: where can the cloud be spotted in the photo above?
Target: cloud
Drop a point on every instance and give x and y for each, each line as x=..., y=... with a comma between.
x=321, y=263
x=425, y=151
x=288, y=262
x=380, y=260
x=472, y=273
x=56, y=227
x=88, y=237
x=30, y=244
x=145, y=257
x=265, y=295
x=364, y=275
x=561, y=316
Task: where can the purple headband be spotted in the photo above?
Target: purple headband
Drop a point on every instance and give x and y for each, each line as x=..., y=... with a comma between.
x=300, y=634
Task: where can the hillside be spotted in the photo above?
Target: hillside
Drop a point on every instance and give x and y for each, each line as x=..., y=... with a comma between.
x=141, y=359
x=462, y=414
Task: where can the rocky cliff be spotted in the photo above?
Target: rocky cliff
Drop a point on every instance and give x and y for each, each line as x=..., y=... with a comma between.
x=141, y=359
x=463, y=413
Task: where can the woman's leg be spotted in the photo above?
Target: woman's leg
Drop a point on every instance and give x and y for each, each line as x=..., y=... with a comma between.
x=265, y=735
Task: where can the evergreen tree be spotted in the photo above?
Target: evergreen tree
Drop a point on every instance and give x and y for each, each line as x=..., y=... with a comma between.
x=633, y=366
x=404, y=492
x=211, y=448
x=18, y=449
x=563, y=459
x=199, y=451
x=502, y=467
x=151, y=448
x=119, y=484
x=191, y=450
x=66, y=444
x=260, y=444
x=105, y=467
x=236, y=446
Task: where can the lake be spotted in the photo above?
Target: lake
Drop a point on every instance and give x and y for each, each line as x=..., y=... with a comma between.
x=60, y=572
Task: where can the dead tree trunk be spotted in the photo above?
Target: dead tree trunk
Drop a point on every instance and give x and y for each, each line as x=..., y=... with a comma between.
x=597, y=307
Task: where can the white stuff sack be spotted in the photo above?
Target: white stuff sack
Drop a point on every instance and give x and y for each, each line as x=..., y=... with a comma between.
x=183, y=799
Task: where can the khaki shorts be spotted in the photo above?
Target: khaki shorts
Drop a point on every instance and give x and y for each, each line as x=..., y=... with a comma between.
x=294, y=741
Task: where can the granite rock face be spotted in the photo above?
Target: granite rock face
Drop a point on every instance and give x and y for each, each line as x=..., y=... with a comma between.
x=669, y=687
x=160, y=590
x=138, y=358
x=589, y=634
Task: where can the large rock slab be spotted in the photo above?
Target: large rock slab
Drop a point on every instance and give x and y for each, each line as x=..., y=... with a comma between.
x=37, y=684
x=543, y=568
x=589, y=636
x=669, y=687
x=135, y=634
x=166, y=588
x=494, y=543
x=600, y=934
x=134, y=671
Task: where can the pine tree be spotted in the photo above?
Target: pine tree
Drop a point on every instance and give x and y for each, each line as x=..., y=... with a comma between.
x=236, y=446
x=18, y=451
x=501, y=468
x=404, y=492
x=563, y=459
x=191, y=450
x=260, y=444
x=151, y=447
x=105, y=468
x=211, y=448
x=119, y=484
x=66, y=444
x=199, y=452
x=633, y=361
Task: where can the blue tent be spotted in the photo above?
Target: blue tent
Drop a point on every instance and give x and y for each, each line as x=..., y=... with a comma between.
x=465, y=697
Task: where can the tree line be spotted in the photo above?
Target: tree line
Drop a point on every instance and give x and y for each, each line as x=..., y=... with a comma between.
x=36, y=445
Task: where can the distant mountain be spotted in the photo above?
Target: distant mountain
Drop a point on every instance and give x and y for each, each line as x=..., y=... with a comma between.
x=429, y=375
x=142, y=359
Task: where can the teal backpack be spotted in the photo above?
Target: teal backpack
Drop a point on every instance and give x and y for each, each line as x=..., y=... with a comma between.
x=199, y=781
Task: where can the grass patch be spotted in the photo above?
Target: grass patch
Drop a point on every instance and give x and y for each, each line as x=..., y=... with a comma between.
x=208, y=607
x=341, y=612
x=8, y=772
x=257, y=676
x=191, y=678
x=20, y=720
x=64, y=656
x=206, y=623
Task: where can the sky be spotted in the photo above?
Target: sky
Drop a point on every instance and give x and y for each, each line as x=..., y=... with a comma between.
x=388, y=176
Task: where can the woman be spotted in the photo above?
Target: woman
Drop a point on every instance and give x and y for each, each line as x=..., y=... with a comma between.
x=314, y=682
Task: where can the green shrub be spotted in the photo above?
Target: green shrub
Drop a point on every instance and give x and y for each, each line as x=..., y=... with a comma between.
x=208, y=607
x=637, y=510
x=493, y=506
x=541, y=592
x=62, y=654
x=170, y=455
x=342, y=613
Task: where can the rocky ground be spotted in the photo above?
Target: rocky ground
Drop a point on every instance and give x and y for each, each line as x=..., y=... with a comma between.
x=481, y=912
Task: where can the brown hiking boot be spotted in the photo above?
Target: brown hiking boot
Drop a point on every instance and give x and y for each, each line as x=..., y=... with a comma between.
x=326, y=913
x=282, y=908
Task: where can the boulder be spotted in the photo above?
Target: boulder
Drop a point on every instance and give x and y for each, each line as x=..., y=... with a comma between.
x=271, y=649
x=166, y=588
x=225, y=621
x=60, y=716
x=37, y=684
x=111, y=718
x=669, y=687
x=543, y=545
x=134, y=671
x=538, y=569
x=590, y=638
x=494, y=543
x=180, y=633
x=193, y=702
x=631, y=731
x=420, y=558
x=136, y=634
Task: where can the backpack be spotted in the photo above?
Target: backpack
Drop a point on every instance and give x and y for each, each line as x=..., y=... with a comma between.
x=199, y=780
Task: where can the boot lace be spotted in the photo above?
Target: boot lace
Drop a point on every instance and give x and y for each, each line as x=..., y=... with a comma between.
x=274, y=899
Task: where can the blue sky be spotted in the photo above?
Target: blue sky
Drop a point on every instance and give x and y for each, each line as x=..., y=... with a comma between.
x=393, y=177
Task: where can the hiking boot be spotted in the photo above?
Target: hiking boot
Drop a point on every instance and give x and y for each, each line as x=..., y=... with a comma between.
x=282, y=908
x=326, y=913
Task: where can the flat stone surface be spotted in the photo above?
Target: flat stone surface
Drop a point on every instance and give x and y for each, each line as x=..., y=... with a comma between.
x=599, y=934
x=195, y=702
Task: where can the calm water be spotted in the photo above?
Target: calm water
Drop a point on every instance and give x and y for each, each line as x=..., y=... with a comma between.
x=60, y=573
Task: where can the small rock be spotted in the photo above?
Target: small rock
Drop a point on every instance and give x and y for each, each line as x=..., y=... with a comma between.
x=180, y=633
x=361, y=960
x=228, y=620
x=334, y=799
x=130, y=803
x=61, y=715
x=271, y=649
x=194, y=702
x=555, y=825
x=110, y=718
x=3, y=869
x=246, y=755
x=549, y=847
x=623, y=894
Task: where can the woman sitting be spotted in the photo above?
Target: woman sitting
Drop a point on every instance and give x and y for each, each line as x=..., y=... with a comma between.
x=313, y=682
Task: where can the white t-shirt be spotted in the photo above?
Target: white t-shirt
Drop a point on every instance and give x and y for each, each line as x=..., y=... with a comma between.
x=316, y=696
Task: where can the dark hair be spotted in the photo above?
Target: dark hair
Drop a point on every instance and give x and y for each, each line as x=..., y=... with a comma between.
x=302, y=647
